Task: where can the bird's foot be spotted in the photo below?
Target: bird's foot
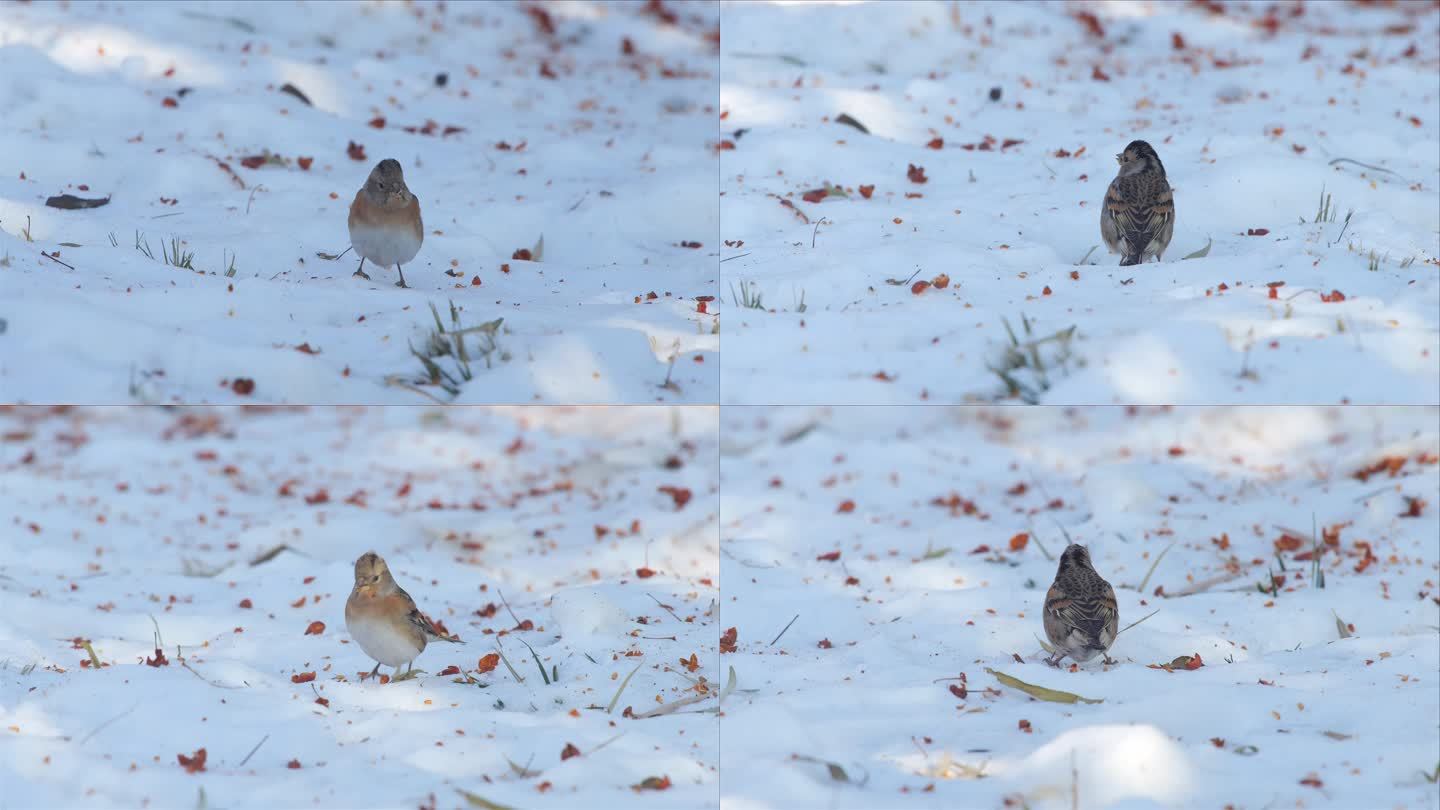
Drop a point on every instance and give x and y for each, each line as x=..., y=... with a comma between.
x=363, y=274
x=1111, y=661
x=401, y=283
x=409, y=675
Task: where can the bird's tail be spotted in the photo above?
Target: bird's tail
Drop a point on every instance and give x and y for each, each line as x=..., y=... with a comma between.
x=444, y=635
x=426, y=624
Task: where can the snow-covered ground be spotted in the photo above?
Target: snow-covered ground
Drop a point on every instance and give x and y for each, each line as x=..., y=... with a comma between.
x=121, y=524
x=1249, y=105
x=905, y=544
x=513, y=122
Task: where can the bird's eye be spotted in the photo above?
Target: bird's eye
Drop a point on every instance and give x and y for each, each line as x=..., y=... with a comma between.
x=375, y=578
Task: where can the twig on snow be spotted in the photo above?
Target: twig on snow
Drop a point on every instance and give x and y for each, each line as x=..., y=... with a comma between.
x=53, y=259
x=787, y=627
x=253, y=750
x=105, y=724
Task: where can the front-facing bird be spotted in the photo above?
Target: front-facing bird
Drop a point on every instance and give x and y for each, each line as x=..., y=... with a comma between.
x=1081, y=616
x=383, y=619
x=385, y=225
x=1138, y=217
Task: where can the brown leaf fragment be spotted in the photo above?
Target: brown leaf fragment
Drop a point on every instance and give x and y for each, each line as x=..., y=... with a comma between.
x=70, y=202
x=1040, y=692
x=798, y=212
x=195, y=763
x=1182, y=662
x=653, y=783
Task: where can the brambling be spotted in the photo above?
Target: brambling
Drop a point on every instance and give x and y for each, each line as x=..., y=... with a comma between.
x=385, y=224
x=1081, y=616
x=1138, y=217
x=383, y=619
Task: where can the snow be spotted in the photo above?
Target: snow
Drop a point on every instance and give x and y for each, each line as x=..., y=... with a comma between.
x=612, y=163
x=119, y=516
x=863, y=677
x=1247, y=147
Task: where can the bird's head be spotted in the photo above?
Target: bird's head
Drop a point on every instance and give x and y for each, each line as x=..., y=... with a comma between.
x=1075, y=556
x=370, y=570
x=1138, y=157
x=386, y=180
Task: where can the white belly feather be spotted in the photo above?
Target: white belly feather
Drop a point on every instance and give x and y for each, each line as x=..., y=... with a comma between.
x=386, y=247
x=381, y=642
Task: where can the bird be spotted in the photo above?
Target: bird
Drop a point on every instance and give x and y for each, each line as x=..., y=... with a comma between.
x=385, y=225
x=1080, y=614
x=1138, y=217
x=383, y=619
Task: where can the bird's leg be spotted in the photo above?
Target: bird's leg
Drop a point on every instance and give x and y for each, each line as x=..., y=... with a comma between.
x=360, y=271
x=1109, y=660
x=374, y=672
x=401, y=282
x=1054, y=660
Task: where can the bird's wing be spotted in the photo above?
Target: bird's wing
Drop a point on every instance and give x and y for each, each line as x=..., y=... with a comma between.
x=1142, y=205
x=423, y=623
x=1071, y=611
x=1110, y=612
x=1090, y=613
x=1056, y=602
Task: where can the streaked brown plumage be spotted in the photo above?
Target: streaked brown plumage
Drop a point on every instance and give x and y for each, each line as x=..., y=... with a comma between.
x=1081, y=616
x=1138, y=217
x=385, y=224
x=383, y=619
